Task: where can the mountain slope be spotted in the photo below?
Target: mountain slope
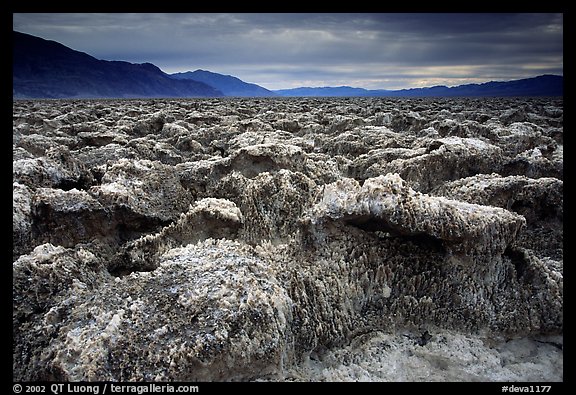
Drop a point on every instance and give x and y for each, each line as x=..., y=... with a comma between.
x=544, y=85
x=227, y=84
x=47, y=69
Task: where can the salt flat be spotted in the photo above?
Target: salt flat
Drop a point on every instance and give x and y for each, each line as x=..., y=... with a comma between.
x=348, y=239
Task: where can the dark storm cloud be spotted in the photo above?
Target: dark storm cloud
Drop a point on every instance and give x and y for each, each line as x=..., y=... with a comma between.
x=286, y=50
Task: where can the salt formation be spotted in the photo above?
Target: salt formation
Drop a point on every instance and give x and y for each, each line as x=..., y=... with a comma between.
x=210, y=311
x=288, y=239
x=387, y=204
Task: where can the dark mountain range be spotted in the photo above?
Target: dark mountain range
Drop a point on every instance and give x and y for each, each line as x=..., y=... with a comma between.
x=47, y=69
x=227, y=84
x=544, y=85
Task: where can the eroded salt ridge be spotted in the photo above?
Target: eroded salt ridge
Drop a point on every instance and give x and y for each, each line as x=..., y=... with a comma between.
x=387, y=204
x=237, y=239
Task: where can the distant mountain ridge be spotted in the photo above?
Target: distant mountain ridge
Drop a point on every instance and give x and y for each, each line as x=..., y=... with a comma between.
x=544, y=85
x=47, y=69
x=227, y=84
x=324, y=91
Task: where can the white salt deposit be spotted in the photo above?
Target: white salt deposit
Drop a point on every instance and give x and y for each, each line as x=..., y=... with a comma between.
x=364, y=239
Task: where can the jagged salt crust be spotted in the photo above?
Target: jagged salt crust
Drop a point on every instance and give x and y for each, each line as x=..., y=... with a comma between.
x=387, y=204
x=302, y=239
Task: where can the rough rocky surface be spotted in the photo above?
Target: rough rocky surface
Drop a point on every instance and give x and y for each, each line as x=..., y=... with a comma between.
x=448, y=356
x=288, y=239
x=387, y=204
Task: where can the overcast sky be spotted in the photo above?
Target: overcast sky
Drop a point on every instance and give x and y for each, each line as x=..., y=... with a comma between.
x=374, y=51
